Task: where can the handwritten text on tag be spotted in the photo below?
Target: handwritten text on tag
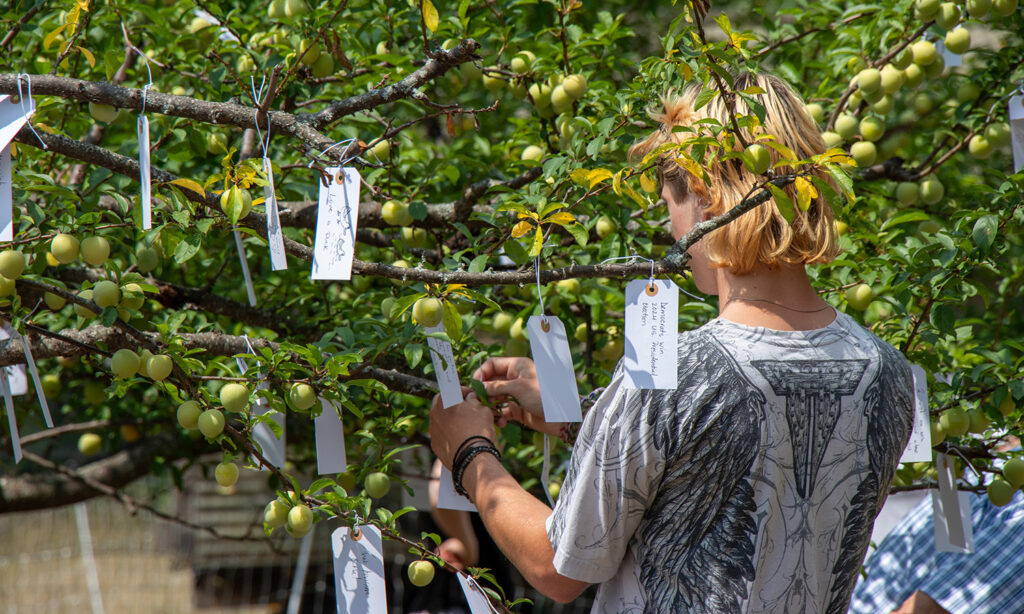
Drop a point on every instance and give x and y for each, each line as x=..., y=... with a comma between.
x=359, y=570
x=336, y=220
x=549, y=346
x=919, y=448
x=443, y=359
x=652, y=331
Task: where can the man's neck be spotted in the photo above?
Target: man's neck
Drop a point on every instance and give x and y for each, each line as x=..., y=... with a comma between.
x=781, y=299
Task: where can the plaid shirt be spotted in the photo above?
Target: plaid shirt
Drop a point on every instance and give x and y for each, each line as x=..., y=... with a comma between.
x=990, y=581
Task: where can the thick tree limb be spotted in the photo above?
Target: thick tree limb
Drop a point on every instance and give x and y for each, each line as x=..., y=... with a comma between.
x=32, y=491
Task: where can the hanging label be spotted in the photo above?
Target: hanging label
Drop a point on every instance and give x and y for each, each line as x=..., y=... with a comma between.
x=17, y=377
x=36, y=381
x=272, y=446
x=919, y=448
x=942, y=541
x=145, y=199
x=950, y=59
x=651, y=359
x=245, y=269
x=330, y=439
x=549, y=346
x=476, y=599
x=359, y=570
x=275, y=238
x=12, y=118
x=949, y=514
x=12, y=421
x=336, y=219
x=443, y=359
x=6, y=196
x=1017, y=131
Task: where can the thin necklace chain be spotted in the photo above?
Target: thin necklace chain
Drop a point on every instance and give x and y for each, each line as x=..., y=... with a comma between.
x=764, y=300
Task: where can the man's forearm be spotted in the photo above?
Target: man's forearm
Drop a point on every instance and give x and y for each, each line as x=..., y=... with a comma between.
x=516, y=520
x=920, y=603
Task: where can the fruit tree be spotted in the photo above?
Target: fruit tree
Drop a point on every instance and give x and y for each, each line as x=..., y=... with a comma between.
x=490, y=141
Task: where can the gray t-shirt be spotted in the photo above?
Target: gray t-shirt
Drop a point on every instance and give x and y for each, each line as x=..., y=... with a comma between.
x=751, y=487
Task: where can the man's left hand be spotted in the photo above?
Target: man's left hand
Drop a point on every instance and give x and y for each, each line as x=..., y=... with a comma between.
x=452, y=426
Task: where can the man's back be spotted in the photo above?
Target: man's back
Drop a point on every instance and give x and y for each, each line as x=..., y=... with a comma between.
x=750, y=487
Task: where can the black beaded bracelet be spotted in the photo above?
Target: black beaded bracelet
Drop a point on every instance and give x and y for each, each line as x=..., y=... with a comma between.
x=462, y=463
x=462, y=445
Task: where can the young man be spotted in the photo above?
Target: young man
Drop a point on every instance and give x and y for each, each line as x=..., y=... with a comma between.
x=753, y=485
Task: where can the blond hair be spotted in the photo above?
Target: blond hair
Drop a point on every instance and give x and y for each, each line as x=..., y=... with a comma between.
x=762, y=235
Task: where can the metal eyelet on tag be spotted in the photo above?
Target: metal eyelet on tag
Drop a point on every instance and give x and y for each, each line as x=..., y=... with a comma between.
x=356, y=534
x=339, y=177
x=545, y=325
x=651, y=289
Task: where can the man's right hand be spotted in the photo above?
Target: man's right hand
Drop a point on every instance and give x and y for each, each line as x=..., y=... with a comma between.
x=513, y=380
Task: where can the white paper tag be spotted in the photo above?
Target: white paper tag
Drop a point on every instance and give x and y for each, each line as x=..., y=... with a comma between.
x=36, y=381
x=447, y=498
x=17, y=377
x=275, y=238
x=1017, y=131
x=919, y=448
x=273, y=448
x=651, y=359
x=330, y=440
x=12, y=421
x=443, y=359
x=6, y=196
x=359, y=571
x=145, y=199
x=12, y=118
x=942, y=541
x=950, y=515
x=245, y=268
x=549, y=346
x=475, y=598
x=951, y=60
x=336, y=219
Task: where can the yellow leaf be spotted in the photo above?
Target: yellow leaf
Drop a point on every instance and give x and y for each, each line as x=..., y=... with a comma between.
x=687, y=71
x=617, y=183
x=786, y=153
x=521, y=229
x=598, y=175
x=562, y=217
x=691, y=165
x=52, y=36
x=580, y=176
x=89, y=57
x=72, y=17
x=45, y=128
x=805, y=193
x=430, y=17
x=190, y=185
x=538, y=243
x=648, y=183
x=83, y=4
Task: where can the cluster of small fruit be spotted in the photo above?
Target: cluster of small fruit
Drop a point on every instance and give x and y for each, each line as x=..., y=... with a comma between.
x=876, y=87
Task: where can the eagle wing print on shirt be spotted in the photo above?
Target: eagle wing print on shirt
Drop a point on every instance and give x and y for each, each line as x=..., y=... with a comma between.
x=888, y=404
x=702, y=525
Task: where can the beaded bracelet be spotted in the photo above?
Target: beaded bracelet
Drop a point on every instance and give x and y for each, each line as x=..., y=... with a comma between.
x=462, y=445
x=460, y=466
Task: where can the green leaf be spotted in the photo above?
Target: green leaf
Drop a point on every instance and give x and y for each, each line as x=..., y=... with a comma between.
x=188, y=247
x=705, y=96
x=404, y=303
x=985, y=230
x=579, y=232
x=452, y=321
x=903, y=218
x=783, y=202
x=514, y=250
x=319, y=485
x=413, y=354
x=478, y=264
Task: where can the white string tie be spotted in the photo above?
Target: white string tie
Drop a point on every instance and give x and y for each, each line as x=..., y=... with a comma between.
x=32, y=107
